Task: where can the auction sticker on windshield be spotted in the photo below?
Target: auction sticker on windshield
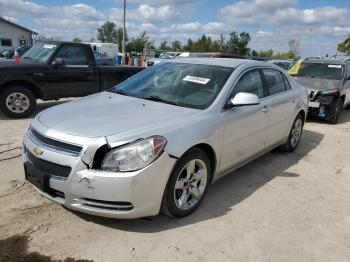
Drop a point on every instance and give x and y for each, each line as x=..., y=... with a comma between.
x=196, y=79
x=49, y=46
x=334, y=66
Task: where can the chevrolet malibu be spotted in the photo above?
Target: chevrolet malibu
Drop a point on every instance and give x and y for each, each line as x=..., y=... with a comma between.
x=158, y=140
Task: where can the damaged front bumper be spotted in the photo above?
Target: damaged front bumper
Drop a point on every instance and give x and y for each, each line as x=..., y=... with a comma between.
x=69, y=180
x=321, y=105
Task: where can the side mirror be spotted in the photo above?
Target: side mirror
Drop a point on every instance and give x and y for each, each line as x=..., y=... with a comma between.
x=244, y=99
x=58, y=62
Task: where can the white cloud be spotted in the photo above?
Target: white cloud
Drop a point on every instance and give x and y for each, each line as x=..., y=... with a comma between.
x=279, y=20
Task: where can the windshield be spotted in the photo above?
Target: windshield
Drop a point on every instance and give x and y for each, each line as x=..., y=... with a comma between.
x=321, y=70
x=187, y=85
x=40, y=52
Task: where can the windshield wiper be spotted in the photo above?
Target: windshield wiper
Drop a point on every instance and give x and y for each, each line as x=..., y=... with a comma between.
x=162, y=100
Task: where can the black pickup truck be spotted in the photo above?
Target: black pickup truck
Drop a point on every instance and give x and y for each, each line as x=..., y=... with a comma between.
x=54, y=70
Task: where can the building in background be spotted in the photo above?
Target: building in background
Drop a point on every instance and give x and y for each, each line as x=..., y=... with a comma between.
x=13, y=35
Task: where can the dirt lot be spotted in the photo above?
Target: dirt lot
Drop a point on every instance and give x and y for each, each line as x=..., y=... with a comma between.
x=281, y=207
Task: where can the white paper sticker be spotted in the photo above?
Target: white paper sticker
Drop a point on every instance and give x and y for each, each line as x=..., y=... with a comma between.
x=49, y=46
x=196, y=79
x=334, y=66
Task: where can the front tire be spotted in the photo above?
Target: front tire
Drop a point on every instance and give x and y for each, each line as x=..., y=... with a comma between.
x=17, y=102
x=187, y=184
x=335, y=110
x=294, y=135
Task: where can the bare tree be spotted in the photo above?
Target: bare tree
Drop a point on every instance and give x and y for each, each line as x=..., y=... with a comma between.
x=294, y=46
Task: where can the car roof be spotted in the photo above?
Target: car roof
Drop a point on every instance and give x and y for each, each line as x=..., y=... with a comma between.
x=325, y=61
x=280, y=61
x=226, y=62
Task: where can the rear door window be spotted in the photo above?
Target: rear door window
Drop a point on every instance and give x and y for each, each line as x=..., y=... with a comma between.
x=274, y=81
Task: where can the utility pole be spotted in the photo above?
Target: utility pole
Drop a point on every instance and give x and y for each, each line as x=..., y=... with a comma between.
x=123, y=44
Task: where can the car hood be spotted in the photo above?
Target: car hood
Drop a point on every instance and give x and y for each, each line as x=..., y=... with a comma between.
x=107, y=114
x=317, y=84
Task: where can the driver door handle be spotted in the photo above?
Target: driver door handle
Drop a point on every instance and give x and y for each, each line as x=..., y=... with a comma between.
x=265, y=109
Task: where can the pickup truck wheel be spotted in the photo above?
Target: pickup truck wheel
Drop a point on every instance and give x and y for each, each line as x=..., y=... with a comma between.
x=294, y=135
x=187, y=184
x=335, y=110
x=17, y=102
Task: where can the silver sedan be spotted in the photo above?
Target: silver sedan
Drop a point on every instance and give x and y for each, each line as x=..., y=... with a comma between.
x=158, y=140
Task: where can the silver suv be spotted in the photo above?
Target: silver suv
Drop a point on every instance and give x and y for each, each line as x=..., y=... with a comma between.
x=156, y=141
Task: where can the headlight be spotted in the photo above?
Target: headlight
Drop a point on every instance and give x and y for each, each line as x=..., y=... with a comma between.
x=329, y=92
x=134, y=156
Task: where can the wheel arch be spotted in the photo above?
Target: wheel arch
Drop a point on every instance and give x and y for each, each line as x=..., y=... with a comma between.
x=302, y=113
x=210, y=152
x=31, y=86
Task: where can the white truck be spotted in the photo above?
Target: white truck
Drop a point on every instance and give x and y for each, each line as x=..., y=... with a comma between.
x=109, y=49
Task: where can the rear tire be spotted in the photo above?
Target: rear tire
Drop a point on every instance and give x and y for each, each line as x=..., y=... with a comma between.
x=187, y=184
x=17, y=101
x=294, y=135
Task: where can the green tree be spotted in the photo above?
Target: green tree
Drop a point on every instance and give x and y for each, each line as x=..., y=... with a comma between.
x=289, y=55
x=176, y=46
x=77, y=40
x=203, y=44
x=265, y=53
x=138, y=44
x=254, y=53
x=189, y=46
x=107, y=33
x=164, y=45
x=238, y=44
x=344, y=46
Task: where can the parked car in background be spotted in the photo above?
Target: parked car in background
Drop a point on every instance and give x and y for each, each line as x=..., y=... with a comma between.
x=216, y=55
x=328, y=84
x=54, y=70
x=11, y=53
x=165, y=56
x=284, y=64
x=8, y=54
x=156, y=141
x=102, y=59
x=21, y=50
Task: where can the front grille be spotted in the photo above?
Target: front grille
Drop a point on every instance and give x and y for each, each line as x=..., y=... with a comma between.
x=60, y=146
x=48, y=167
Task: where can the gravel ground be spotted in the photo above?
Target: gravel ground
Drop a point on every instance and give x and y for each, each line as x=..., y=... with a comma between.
x=281, y=207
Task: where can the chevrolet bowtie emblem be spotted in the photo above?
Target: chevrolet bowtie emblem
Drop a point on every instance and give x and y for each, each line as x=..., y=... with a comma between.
x=38, y=151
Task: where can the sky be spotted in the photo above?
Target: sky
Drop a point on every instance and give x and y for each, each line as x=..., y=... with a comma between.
x=318, y=25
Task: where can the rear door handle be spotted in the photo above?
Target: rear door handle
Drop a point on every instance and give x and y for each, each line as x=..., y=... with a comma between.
x=292, y=99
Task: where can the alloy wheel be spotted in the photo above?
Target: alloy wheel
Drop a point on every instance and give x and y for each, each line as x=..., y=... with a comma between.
x=190, y=184
x=296, y=132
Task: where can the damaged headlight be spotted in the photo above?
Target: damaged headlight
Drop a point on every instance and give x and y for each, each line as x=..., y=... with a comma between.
x=134, y=156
